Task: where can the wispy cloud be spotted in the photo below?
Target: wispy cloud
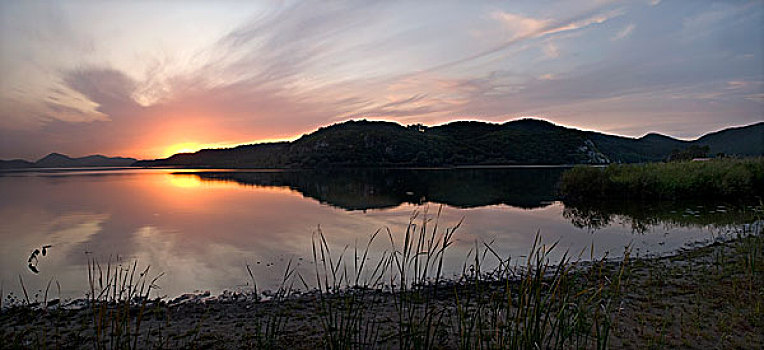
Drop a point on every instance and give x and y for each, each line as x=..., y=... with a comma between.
x=738, y=84
x=551, y=50
x=291, y=67
x=549, y=27
x=623, y=33
x=547, y=76
x=519, y=25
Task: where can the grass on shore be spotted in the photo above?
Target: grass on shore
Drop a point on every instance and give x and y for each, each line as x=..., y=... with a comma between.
x=716, y=178
x=710, y=296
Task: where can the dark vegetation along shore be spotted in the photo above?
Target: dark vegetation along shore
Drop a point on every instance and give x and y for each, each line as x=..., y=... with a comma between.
x=716, y=178
x=702, y=298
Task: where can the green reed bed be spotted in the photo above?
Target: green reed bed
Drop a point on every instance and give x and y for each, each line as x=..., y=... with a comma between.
x=716, y=178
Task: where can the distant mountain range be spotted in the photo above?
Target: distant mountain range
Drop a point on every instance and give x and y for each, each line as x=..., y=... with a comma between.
x=528, y=141
x=57, y=160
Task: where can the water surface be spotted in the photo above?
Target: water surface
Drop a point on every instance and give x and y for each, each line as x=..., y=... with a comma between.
x=202, y=227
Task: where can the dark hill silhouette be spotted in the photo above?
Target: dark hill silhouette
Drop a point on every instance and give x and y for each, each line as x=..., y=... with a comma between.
x=57, y=160
x=266, y=155
x=649, y=148
x=744, y=140
x=15, y=164
x=527, y=141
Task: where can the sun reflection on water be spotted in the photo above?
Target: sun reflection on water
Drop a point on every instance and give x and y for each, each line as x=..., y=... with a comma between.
x=184, y=181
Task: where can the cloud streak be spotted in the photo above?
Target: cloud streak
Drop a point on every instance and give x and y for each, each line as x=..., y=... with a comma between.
x=623, y=33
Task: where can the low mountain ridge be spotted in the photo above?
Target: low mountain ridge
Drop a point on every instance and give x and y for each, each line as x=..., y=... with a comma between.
x=744, y=140
x=15, y=164
x=58, y=160
x=362, y=143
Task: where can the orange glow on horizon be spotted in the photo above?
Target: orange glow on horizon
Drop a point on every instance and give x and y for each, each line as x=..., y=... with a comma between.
x=191, y=147
x=185, y=147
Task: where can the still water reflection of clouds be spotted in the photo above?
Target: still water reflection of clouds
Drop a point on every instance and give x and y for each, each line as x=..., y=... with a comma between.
x=201, y=231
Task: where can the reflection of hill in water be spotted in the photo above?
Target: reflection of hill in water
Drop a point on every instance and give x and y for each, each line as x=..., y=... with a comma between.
x=643, y=216
x=362, y=189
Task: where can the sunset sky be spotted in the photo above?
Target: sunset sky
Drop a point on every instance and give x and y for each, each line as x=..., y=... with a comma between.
x=150, y=78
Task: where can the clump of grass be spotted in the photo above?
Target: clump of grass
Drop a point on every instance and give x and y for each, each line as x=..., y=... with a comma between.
x=418, y=265
x=269, y=328
x=717, y=178
x=114, y=308
x=115, y=291
x=535, y=305
x=345, y=301
x=539, y=305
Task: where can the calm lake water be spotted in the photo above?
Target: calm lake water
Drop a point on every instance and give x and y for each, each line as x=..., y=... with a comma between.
x=201, y=227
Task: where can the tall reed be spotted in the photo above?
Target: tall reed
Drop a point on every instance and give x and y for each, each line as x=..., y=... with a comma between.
x=538, y=304
x=114, y=292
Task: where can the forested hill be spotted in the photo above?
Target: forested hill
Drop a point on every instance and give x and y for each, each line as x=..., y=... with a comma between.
x=528, y=141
